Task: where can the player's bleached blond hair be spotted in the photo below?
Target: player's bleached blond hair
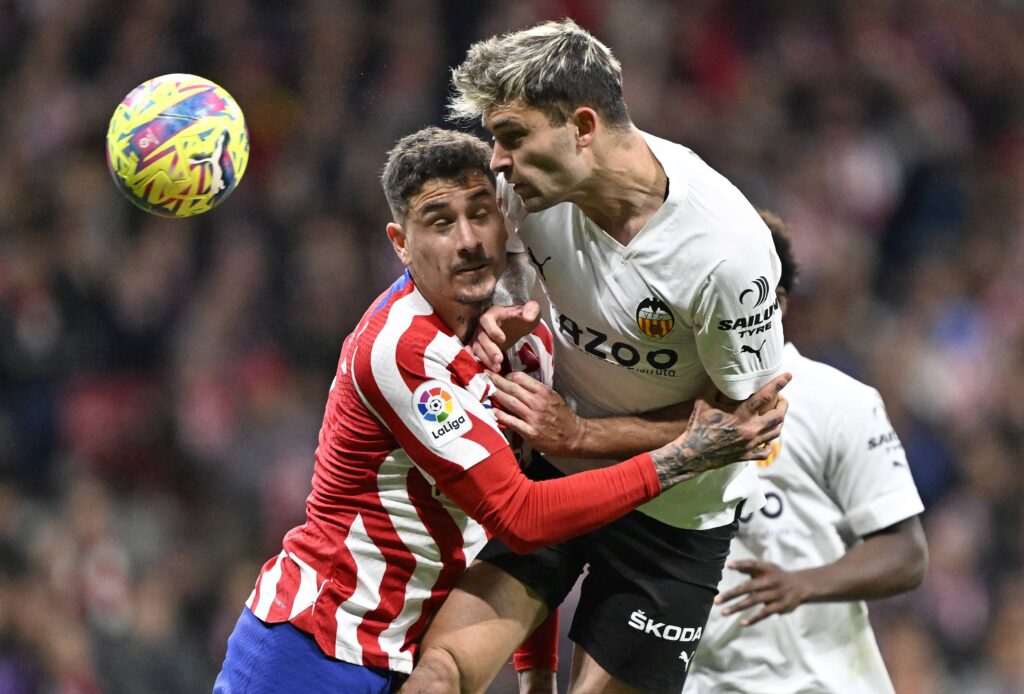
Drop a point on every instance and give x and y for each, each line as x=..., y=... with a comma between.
x=555, y=67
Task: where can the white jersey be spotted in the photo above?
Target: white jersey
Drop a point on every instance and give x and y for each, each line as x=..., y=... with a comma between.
x=643, y=326
x=838, y=473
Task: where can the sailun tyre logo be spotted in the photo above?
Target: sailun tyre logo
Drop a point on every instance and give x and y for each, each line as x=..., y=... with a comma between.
x=758, y=294
x=435, y=405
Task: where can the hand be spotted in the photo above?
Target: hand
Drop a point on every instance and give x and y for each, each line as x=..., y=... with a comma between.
x=536, y=413
x=501, y=327
x=716, y=437
x=778, y=590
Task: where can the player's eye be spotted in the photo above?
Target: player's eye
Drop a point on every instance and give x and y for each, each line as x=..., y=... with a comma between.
x=510, y=140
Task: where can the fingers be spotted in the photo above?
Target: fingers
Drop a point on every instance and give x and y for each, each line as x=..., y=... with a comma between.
x=748, y=566
x=754, y=598
x=768, y=611
x=487, y=351
x=531, y=311
x=527, y=382
x=514, y=423
x=490, y=323
x=516, y=384
x=736, y=592
x=512, y=406
x=766, y=394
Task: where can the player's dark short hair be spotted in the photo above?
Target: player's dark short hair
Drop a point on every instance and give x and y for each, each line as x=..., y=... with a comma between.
x=784, y=247
x=429, y=154
x=555, y=67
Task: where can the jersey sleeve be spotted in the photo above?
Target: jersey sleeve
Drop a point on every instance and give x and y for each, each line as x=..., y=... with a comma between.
x=435, y=405
x=737, y=324
x=528, y=515
x=867, y=469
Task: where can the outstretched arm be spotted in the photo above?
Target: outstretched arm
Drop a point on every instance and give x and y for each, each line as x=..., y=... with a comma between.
x=540, y=415
x=528, y=515
x=888, y=562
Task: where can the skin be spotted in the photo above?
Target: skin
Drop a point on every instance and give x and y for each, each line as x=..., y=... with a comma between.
x=452, y=239
x=610, y=173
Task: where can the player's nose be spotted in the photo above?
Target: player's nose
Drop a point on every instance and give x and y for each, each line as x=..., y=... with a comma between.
x=501, y=161
x=467, y=235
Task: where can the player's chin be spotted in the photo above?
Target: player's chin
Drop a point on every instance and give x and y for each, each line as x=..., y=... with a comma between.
x=476, y=291
x=537, y=203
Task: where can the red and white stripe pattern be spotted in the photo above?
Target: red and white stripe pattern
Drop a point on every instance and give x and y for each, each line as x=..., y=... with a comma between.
x=381, y=547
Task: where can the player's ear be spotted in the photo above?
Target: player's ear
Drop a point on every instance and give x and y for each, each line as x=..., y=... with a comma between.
x=585, y=120
x=783, y=298
x=398, y=242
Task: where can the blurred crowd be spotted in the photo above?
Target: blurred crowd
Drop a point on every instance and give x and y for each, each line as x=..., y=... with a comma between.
x=162, y=381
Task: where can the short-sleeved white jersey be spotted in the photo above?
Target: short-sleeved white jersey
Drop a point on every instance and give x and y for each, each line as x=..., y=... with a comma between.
x=643, y=326
x=838, y=473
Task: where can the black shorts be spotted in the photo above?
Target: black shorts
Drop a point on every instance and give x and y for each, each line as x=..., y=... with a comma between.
x=645, y=600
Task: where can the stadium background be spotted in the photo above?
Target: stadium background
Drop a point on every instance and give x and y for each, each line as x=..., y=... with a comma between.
x=162, y=381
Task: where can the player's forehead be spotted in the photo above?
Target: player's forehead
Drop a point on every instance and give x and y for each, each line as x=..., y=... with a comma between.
x=437, y=193
x=515, y=114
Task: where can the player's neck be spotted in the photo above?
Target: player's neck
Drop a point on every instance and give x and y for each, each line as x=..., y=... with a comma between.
x=625, y=189
x=461, y=319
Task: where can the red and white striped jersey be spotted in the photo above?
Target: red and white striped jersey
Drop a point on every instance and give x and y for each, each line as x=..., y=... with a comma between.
x=407, y=414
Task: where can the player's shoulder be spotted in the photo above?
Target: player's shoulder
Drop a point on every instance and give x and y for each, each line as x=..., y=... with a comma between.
x=399, y=325
x=824, y=386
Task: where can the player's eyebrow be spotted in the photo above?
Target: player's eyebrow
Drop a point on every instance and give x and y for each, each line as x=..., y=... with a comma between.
x=482, y=193
x=434, y=207
x=505, y=122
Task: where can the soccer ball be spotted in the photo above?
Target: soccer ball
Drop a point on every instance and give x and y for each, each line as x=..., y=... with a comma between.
x=177, y=145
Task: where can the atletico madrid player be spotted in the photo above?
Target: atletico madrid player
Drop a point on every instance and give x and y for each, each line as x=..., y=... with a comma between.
x=412, y=471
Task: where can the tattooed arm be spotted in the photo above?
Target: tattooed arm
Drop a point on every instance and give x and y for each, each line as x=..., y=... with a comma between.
x=715, y=437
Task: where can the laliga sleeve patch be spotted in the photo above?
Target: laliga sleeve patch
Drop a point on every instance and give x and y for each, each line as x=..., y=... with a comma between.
x=439, y=413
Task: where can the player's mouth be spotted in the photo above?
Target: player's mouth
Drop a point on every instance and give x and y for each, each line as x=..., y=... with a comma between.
x=467, y=268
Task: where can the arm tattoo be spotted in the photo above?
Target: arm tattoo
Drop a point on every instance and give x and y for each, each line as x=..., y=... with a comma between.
x=710, y=442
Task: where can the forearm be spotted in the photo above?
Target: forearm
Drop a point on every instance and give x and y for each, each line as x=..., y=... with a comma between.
x=515, y=286
x=884, y=564
x=625, y=436
x=528, y=515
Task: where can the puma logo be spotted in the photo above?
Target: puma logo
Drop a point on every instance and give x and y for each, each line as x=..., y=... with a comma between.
x=216, y=172
x=540, y=265
x=747, y=349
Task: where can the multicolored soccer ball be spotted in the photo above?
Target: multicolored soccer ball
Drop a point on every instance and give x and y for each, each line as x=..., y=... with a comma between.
x=177, y=145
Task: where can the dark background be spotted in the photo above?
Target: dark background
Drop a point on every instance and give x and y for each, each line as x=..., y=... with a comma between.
x=162, y=381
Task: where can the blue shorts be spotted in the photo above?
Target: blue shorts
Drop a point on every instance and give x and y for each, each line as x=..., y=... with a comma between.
x=272, y=658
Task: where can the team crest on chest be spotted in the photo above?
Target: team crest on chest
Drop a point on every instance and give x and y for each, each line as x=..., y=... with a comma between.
x=654, y=318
